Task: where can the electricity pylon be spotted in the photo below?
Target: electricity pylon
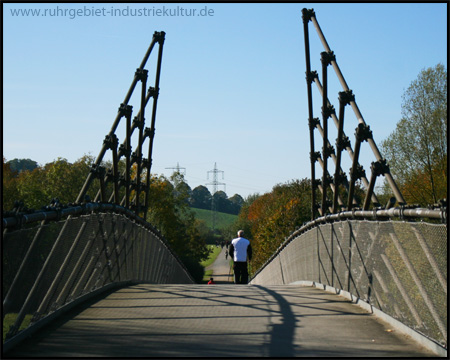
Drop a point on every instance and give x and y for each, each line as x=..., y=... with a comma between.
x=215, y=183
x=178, y=168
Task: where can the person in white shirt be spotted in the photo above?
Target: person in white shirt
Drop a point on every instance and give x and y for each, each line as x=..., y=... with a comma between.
x=240, y=252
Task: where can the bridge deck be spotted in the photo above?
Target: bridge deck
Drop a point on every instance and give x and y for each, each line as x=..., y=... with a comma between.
x=219, y=320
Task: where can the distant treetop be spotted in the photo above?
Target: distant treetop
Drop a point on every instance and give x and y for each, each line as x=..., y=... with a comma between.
x=20, y=165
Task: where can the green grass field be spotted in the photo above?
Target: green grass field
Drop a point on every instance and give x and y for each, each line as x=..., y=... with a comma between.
x=223, y=220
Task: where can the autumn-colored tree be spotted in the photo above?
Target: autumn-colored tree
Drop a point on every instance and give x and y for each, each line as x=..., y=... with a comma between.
x=268, y=219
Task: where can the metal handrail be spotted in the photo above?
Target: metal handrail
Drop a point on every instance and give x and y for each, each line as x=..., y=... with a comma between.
x=376, y=214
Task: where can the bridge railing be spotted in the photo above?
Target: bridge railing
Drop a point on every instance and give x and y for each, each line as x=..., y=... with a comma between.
x=398, y=267
x=50, y=267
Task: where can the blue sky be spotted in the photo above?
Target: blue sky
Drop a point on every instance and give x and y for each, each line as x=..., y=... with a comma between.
x=232, y=90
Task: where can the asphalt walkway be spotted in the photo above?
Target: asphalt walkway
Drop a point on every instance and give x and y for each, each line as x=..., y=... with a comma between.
x=222, y=272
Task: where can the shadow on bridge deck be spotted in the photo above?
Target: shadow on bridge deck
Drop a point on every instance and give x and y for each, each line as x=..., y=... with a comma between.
x=149, y=320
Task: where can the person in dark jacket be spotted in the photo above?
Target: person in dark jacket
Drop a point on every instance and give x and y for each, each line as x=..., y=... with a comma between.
x=240, y=252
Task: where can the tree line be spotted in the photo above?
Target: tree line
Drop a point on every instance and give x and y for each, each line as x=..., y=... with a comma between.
x=416, y=152
x=201, y=198
x=169, y=209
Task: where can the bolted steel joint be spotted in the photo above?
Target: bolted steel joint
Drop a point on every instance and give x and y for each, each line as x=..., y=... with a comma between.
x=159, y=36
x=307, y=14
x=111, y=141
x=316, y=183
x=149, y=132
x=327, y=181
x=125, y=110
x=123, y=150
x=314, y=156
x=328, y=111
x=141, y=74
x=345, y=97
x=363, y=132
x=342, y=143
x=340, y=178
x=135, y=158
x=111, y=177
x=379, y=167
x=97, y=170
x=357, y=173
x=311, y=76
x=138, y=123
x=313, y=122
x=327, y=57
x=152, y=91
x=328, y=151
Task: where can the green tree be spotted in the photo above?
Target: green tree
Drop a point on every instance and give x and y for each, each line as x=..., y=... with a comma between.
x=32, y=188
x=201, y=197
x=417, y=149
x=236, y=202
x=172, y=216
x=221, y=202
x=169, y=208
x=36, y=188
x=20, y=165
x=10, y=192
x=181, y=188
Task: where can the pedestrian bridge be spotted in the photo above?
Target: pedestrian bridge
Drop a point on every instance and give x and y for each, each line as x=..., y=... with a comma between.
x=220, y=321
x=110, y=286
x=95, y=279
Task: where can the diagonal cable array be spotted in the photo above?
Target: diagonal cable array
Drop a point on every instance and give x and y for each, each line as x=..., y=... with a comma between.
x=332, y=187
x=130, y=187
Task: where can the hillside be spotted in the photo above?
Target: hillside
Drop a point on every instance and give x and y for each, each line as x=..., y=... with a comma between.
x=223, y=220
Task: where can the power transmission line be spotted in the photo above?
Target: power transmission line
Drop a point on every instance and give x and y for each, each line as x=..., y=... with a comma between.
x=177, y=173
x=178, y=168
x=215, y=183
